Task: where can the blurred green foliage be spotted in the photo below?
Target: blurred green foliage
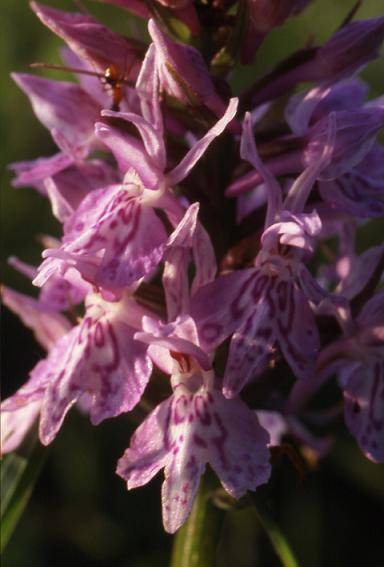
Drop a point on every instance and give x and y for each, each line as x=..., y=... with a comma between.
x=81, y=514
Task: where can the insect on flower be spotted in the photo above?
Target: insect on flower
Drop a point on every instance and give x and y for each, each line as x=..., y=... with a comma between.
x=113, y=77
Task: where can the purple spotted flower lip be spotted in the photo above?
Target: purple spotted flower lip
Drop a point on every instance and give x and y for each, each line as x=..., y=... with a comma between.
x=99, y=357
x=216, y=238
x=263, y=306
x=193, y=427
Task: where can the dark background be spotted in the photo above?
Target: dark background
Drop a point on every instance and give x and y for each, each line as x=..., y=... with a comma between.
x=81, y=513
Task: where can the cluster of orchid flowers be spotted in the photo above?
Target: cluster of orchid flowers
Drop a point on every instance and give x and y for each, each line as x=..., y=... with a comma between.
x=140, y=279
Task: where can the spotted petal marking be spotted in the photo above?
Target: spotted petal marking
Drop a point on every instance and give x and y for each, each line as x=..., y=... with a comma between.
x=355, y=193
x=113, y=242
x=102, y=359
x=197, y=428
x=251, y=346
x=175, y=282
x=295, y=328
x=147, y=452
x=220, y=307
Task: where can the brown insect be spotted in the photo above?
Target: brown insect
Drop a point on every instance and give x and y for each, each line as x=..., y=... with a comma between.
x=112, y=77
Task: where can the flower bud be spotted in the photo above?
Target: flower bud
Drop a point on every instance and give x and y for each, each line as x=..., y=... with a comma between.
x=183, y=72
x=350, y=48
x=92, y=41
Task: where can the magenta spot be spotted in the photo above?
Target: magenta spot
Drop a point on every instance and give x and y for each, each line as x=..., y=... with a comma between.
x=259, y=287
x=199, y=441
x=99, y=335
x=180, y=410
x=202, y=411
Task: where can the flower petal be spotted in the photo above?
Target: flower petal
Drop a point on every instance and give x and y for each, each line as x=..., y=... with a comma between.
x=250, y=349
x=248, y=152
x=47, y=325
x=172, y=338
x=198, y=149
x=220, y=307
x=101, y=358
x=55, y=104
x=175, y=282
x=182, y=71
x=148, y=449
x=16, y=424
x=112, y=239
x=147, y=88
x=152, y=139
x=310, y=106
x=130, y=154
x=296, y=328
x=92, y=41
x=34, y=171
x=178, y=492
x=239, y=453
x=364, y=408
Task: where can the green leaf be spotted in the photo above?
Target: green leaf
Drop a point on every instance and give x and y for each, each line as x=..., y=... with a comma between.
x=18, y=477
x=195, y=543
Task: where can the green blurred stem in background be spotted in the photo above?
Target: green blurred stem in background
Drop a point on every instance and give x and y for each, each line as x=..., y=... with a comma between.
x=19, y=473
x=276, y=537
x=197, y=542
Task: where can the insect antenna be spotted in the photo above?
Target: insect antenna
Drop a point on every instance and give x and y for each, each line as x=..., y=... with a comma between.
x=55, y=67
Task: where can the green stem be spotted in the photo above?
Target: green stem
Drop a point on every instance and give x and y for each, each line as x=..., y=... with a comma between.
x=277, y=538
x=195, y=543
